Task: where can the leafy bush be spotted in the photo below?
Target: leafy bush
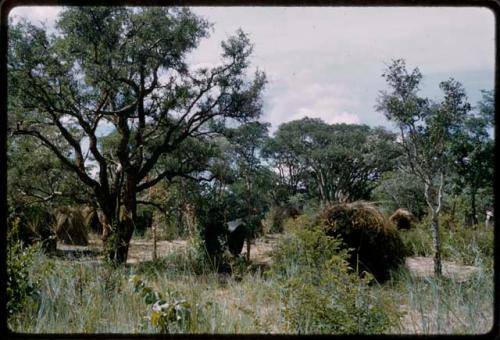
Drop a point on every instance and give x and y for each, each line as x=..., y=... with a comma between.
x=274, y=219
x=322, y=294
x=462, y=244
x=144, y=220
x=19, y=259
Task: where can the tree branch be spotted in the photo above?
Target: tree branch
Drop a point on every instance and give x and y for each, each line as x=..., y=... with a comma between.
x=81, y=174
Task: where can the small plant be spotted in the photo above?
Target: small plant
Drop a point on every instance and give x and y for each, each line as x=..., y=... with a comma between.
x=19, y=259
x=169, y=313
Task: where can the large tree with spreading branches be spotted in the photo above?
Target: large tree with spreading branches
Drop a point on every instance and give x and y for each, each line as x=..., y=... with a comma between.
x=124, y=71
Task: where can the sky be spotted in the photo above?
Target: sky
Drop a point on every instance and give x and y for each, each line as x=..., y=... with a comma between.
x=327, y=62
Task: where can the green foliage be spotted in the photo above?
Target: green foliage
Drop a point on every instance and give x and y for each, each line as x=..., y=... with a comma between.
x=19, y=259
x=400, y=189
x=169, y=313
x=274, y=219
x=109, y=60
x=333, y=162
x=321, y=294
x=144, y=220
x=462, y=244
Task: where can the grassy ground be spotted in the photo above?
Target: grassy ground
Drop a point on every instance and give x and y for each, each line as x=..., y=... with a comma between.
x=87, y=296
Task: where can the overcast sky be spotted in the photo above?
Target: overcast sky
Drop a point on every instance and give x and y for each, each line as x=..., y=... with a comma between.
x=327, y=61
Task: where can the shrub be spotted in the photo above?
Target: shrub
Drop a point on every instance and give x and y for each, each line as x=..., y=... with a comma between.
x=462, y=244
x=19, y=259
x=321, y=295
x=377, y=245
x=274, y=219
x=418, y=241
x=143, y=221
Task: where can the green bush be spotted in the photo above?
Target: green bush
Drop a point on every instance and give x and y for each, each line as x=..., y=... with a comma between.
x=274, y=219
x=462, y=244
x=19, y=260
x=322, y=294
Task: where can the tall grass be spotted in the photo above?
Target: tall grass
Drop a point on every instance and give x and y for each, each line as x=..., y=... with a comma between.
x=301, y=292
x=443, y=306
x=446, y=306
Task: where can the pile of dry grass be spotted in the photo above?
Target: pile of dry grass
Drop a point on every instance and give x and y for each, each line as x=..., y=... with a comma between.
x=91, y=220
x=375, y=242
x=402, y=219
x=36, y=225
x=71, y=227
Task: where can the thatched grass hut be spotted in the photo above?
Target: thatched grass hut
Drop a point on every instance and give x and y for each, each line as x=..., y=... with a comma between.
x=71, y=227
x=402, y=219
x=36, y=224
x=375, y=242
x=92, y=220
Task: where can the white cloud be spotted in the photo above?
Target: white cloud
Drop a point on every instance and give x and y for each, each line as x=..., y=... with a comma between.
x=300, y=96
x=327, y=61
x=36, y=14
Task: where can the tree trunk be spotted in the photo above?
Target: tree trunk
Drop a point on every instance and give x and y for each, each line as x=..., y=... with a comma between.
x=154, y=242
x=453, y=210
x=121, y=224
x=248, y=249
x=436, y=244
x=118, y=239
x=434, y=201
x=473, y=207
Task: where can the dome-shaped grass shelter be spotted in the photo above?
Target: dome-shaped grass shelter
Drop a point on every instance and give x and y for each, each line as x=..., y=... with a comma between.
x=375, y=242
x=402, y=219
x=71, y=228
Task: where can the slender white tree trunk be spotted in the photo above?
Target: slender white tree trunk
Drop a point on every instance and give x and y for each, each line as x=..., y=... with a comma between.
x=434, y=201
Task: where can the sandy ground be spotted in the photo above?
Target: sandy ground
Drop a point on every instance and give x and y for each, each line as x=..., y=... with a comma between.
x=142, y=250
x=424, y=267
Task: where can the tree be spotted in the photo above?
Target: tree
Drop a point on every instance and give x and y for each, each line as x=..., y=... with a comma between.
x=252, y=178
x=284, y=150
x=28, y=162
x=124, y=69
x=473, y=153
x=338, y=162
x=426, y=130
x=401, y=189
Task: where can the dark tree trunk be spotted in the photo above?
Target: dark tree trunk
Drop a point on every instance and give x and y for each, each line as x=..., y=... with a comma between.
x=120, y=215
x=117, y=248
x=473, y=207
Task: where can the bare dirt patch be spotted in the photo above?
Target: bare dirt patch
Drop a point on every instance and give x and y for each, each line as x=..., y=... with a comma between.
x=262, y=248
x=142, y=250
x=424, y=267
